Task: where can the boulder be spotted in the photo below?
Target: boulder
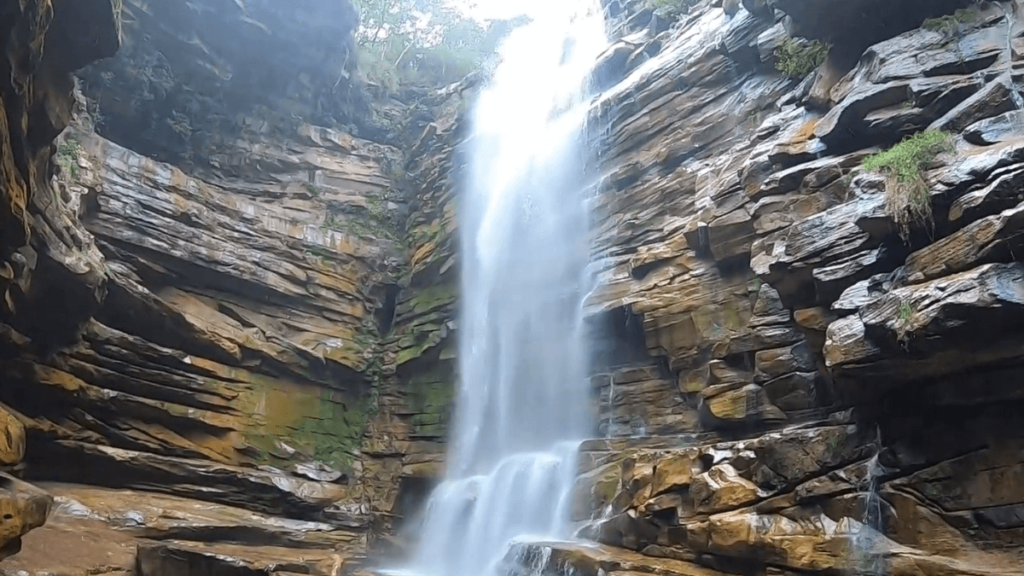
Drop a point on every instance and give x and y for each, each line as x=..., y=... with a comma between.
x=995, y=129
x=722, y=488
x=12, y=439
x=746, y=404
x=23, y=507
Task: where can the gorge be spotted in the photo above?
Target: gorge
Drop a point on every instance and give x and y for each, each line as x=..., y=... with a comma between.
x=232, y=275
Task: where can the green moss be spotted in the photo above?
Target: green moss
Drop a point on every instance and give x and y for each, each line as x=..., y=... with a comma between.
x=669, y=9
x=951, y=23
x=67, y=157
x=376, y=221
x=428, y=298
x=312, y=189
x=797, y=58
x=908, y=198
x=429, y=397
x=336, y=432
x=421, y=343
x=324, y=424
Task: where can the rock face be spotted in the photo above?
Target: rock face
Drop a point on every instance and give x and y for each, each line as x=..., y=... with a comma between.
x=190, y=78
x=841, y=388
x=210, y=296
x=44, y=252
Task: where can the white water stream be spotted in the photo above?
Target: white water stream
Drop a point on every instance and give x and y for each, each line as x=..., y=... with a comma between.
x=523, y=398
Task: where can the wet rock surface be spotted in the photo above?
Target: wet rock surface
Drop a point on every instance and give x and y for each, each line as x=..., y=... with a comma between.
x=191, y=78
x=816, y=355
x=127, y=532
x=45, y=252
x=223, y=329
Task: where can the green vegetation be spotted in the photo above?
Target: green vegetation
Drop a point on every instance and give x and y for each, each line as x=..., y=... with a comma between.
x=312, y=189
x=376, y=221
x=669, y=9
x=905, y=312
x=903, y=316
x=908, y=198
x=409, y=42
x=319, y=423
x=951, y=23
x=430, y=396
x=797, y=58
x=67, y=157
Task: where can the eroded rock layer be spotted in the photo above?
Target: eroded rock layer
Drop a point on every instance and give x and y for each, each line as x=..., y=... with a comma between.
x=217, y=337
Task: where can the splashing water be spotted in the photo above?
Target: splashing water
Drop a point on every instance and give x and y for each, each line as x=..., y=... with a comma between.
x=522, y=405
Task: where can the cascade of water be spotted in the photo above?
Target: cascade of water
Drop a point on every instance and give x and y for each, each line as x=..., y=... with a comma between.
x=522, y=405
x=610, y=431
x=868, y=540
x=1018, y=100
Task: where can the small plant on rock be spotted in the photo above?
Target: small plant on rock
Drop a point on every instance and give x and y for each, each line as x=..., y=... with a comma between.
x=796, y=58
x=903, y=316
x=668, y=9
x=67, y=157
x=908, y=197
x=951, y=23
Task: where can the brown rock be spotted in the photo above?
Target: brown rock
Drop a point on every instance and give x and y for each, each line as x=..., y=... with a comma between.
x=722, y=488
x=12, y=438
x=991, y=290
x=95, y=530
x=817, y=318
x=23, y=507
x=180, y=558
x=595, y=490
x=779, y=361
x=748, y=403
x=674, y=472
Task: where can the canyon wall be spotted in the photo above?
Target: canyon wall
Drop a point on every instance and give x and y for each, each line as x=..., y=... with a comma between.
x=228, y=330
x=838, y=359
x=210, y=296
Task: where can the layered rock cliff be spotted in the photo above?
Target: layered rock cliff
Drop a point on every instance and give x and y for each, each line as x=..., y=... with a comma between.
x=203, y=300
x=228, y=331
x=838, y=355
x=46, y=259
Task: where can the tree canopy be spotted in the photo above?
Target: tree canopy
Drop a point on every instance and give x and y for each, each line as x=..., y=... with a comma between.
x=404, y=42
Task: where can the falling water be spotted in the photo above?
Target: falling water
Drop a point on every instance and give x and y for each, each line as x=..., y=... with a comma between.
x=522, y=404
x=611, y=406
x=868, y=538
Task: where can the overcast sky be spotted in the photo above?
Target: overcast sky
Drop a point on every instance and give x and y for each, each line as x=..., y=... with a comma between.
x=500, y=9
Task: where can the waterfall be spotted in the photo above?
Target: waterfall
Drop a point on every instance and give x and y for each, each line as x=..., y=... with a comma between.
x=522, y=405
x=868, y=541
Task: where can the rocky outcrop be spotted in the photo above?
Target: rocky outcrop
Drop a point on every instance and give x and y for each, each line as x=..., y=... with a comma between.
x=219, y=332
x=127, y=532
x=44, y=252
x=838, y=376
x=191, y=77
x=405, y=447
